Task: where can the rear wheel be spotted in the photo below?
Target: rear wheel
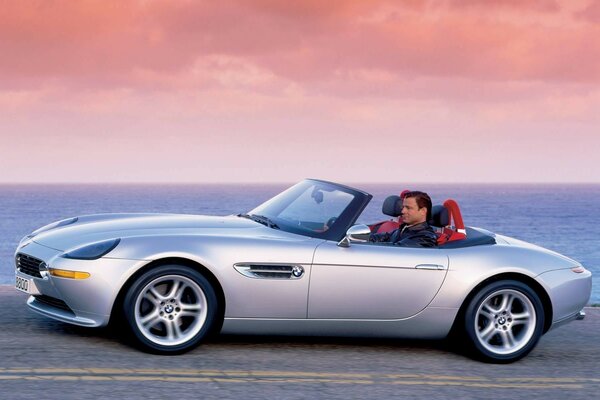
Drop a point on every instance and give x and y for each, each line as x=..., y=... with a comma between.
x=170, y=309
x=504, y=321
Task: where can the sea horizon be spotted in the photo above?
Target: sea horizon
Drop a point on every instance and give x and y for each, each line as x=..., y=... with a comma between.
x=532, y=183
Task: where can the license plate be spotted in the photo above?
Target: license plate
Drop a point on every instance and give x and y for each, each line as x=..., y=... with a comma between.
x=22, y=284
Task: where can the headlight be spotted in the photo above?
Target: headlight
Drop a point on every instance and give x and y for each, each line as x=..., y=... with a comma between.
x=92, y=251
x=53, y=225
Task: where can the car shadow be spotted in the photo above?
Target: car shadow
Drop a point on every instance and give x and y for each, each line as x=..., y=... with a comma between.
x=335, y=342
x=116, y=334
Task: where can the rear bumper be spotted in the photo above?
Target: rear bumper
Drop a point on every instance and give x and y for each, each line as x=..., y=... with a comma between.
x=579, y=315
x=569, y=292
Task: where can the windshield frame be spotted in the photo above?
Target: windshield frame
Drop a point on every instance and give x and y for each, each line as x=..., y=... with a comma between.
x=337, y=230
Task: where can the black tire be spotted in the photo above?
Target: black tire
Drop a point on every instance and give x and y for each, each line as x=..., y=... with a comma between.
x=501, y=330
x=170, y=309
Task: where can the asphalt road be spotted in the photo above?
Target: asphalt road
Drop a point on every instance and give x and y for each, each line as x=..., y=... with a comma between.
x=42, y=358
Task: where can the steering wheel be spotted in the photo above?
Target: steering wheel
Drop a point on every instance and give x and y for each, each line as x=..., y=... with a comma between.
x=329, y=222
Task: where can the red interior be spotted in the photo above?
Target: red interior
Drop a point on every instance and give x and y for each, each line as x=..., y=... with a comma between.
x=448, y=233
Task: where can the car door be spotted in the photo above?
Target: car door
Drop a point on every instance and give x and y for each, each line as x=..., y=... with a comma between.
x=373, y=281
x=266, y=277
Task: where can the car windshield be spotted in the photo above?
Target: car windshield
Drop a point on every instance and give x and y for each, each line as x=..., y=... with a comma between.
x=312, y=208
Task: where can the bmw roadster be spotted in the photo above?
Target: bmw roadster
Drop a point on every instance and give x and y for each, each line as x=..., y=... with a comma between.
x=297, y=265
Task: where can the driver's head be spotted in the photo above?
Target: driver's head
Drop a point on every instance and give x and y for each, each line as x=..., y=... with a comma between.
x=416, y=208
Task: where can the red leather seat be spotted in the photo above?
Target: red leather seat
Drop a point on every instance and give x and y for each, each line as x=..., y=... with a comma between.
x=448, y=221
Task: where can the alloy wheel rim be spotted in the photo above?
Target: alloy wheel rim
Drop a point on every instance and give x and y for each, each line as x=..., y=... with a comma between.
x=171, y=310
x=505, y=321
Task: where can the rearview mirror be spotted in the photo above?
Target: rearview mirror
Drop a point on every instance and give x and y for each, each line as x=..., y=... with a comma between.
x=357, y=234
x=317, y=195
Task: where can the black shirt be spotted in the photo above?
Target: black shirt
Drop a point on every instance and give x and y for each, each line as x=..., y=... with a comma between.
x=418, y=235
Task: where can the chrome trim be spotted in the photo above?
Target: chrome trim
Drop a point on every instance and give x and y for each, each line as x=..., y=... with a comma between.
x=270, y=271
x=580, y=315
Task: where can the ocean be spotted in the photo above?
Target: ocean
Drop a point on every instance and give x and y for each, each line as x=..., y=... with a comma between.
x=561, y=217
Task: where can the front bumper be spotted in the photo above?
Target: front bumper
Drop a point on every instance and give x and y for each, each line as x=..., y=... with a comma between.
x=84, y=302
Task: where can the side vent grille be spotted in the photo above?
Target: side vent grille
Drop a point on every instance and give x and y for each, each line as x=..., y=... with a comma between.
x=270, y=271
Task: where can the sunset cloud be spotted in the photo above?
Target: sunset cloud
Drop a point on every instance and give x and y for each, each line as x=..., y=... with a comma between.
x=259, y=70
x=93, y=42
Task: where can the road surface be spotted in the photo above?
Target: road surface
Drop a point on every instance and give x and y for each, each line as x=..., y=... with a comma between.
x=41, y=358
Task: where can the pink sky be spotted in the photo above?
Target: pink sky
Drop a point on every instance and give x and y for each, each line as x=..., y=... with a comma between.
x=276, y=91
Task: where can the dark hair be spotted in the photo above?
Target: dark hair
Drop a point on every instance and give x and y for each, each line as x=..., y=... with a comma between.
x=422, y=199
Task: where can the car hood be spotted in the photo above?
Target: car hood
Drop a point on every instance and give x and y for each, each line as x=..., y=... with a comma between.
x=93, y=228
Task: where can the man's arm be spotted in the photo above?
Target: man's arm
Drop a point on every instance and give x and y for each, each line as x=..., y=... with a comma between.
x=421, y=239
x=380, y=237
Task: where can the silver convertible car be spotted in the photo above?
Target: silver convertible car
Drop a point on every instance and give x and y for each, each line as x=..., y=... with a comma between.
x=297, y=265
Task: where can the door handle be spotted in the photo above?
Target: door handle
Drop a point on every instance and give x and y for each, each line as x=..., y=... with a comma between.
x=433, y=267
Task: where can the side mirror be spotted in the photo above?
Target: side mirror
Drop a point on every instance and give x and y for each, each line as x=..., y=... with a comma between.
x=357, y=234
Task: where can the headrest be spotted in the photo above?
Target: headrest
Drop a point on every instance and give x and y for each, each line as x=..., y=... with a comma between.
x=392, y=206
x=439, y=216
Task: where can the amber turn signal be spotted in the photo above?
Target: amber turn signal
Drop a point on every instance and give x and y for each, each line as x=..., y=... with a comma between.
x=62, y=273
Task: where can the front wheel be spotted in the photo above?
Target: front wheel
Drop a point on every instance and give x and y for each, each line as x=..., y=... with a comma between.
x=170, y=309
x=504, y=321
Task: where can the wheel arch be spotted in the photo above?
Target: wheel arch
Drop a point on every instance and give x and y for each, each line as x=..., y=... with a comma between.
x=537, y=288
x=116, y=311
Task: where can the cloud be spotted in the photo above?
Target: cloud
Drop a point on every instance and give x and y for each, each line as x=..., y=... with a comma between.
x=519, y=5
x=296, y=79
x=591, y=13
x=101, y=43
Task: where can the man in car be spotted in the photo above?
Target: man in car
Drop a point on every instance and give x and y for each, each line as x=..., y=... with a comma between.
x=414, y=231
